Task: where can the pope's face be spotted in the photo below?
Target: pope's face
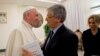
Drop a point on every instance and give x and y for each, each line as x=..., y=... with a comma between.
x=35, y=22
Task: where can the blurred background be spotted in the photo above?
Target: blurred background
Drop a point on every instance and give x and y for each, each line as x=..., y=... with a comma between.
x=11, y=14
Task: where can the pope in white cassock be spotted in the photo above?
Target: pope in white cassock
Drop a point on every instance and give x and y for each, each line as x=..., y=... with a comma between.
x=24, y=35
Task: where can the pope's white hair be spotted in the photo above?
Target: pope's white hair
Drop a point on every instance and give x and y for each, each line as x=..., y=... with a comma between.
x=27, y=10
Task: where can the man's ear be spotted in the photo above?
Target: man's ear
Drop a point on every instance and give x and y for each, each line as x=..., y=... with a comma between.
x=59, y=19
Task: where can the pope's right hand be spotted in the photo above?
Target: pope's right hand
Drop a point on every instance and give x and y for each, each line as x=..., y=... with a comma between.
x=26, y=53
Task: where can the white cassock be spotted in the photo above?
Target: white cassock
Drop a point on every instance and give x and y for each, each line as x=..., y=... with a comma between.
x=19, y=37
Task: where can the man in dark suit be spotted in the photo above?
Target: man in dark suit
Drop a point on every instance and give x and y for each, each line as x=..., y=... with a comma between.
x=63, y=42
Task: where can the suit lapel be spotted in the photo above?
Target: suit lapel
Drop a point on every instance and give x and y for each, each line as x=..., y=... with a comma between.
x=55, y=38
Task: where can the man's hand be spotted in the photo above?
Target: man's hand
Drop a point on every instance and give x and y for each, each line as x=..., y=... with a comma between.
x=26, y=53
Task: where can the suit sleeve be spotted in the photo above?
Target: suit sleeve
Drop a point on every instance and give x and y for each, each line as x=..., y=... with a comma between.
x=71, y=45
x=68, y=46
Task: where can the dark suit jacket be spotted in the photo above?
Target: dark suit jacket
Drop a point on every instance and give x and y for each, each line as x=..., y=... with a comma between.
x=63, y=43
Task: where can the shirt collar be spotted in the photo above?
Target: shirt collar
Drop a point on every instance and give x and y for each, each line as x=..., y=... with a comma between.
x=55, y=30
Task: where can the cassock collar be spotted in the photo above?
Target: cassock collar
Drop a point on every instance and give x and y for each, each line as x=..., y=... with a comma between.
x=27, y=24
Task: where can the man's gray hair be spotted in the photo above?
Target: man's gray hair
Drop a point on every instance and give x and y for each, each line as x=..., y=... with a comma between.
x=58, y=11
